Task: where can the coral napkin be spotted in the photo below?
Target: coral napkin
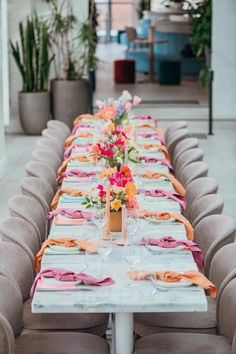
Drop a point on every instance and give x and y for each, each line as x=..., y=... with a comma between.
x=68, y=191
x=176, y=184
x=166, y=216
x=83, y=116
x=67, y=275
x=169, y=276
x=74, y=173
x=171, y=195
x=79, y=158
x=170, y=242
x=159, y=147
x=147, y=126
x=70, y=148
x=71, y=213
x=71, y=138
x=147, y=159
x=63, y=241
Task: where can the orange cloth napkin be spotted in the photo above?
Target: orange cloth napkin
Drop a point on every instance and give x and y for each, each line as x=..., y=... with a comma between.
x=166, y=216
x=68, y=191
x=176, y=184
x=169, y=276
x=160, y=132
x=85, y=116
x=71, y=138
x=79, y=158
x=159, y=147
x=147, y=126
x=64, y=241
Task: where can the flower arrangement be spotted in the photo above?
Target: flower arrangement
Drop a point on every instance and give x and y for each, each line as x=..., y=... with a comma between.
x=114, y=147
x=118, y=111
x=122, y=190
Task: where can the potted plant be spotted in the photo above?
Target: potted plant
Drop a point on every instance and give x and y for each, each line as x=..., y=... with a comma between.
x=70, y=86
x=32, y=59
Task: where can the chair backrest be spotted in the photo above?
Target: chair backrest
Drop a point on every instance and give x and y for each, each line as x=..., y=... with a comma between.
x=226, y=311
x=193, y=171
x=222, y=265
x=48, y=158
x=179, y=124
x=212, y=233
x=39, y=169
x=55, y=135
x=207, y=205
x=50, y=145
x=58, y=125
x=11, y=311
x=38, y=189
x=131, y=33
x=197, y=189
x=21, y=233
x=16, y=266
x=176, y=137
x=31, y=210
x=187, y=157
x=184, y=145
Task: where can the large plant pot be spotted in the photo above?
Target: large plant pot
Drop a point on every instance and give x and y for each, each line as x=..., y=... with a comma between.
x=69, y=99
x=115, y=221
x=34, y=110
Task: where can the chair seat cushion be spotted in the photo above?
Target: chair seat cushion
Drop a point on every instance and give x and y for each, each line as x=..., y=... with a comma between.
x=182, y=343
x=194, y=322
x=60, y=343
x=95, y=323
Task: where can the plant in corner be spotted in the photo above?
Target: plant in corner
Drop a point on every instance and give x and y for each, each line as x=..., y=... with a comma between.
x=70, y=86
x=31, y=56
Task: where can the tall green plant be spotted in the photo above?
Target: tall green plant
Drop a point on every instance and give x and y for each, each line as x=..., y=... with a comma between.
x=201, y=17
x=32, y=56
x=143, y=5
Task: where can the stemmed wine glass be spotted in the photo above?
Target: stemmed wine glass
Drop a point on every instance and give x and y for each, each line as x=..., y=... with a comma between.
x=132, y=222
x=132, y=255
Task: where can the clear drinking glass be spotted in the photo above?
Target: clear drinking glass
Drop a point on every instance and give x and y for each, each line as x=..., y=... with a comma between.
x=132, y=255
x=132, y=222
x=100, y=220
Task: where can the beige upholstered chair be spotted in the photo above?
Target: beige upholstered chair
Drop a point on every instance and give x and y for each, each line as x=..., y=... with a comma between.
x=197, y=189
x=15, y=265
x=180, y=124
x=50, y=145
x=14, y=341
x=184, y=145
x=30, y=210
x=39, y=169
x=195, y=343
x=60, y=126
x=48, y=158
x=176, y=137
x=186, y=158
x=193, y=171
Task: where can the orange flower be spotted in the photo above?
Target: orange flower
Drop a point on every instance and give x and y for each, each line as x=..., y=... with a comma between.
x=131, y=202
x=116, y=204
x=130, y=189
x=111, y=127
x=107, y=113
x=125, y=170
x=108, y=172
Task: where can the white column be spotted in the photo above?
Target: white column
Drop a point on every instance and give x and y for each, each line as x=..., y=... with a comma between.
x=223, y=59
x=2, y=133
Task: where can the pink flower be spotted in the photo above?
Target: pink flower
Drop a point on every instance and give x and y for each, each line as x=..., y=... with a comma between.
x=136, y=100
x=102, y=193
x=99, y=103
x=128, y=105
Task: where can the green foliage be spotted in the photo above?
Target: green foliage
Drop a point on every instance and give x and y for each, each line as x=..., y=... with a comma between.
x=144, y=5
x=32, y=56
x=201, y=17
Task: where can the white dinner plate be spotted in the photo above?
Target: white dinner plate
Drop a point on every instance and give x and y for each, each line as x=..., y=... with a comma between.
x=178, y=284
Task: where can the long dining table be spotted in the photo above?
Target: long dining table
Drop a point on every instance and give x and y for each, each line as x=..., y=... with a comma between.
x=120, y=299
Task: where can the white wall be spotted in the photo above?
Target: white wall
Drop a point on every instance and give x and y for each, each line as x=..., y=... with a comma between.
x=224, y=59
x=2, y=135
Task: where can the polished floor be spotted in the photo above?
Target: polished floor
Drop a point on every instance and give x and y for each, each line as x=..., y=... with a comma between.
x=219, y=152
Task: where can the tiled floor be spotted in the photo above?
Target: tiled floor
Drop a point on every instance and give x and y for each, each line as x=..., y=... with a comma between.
x=219, y=154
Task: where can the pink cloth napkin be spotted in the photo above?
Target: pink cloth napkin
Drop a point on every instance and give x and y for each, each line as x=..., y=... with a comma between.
x=75, y=173
x=67, y=275
x=154, y=136
x=80, y=125
x=161, y=193
x=147, y=159
x=72, y=147
x=70, y=213
x=144, y=117
x=170, y=242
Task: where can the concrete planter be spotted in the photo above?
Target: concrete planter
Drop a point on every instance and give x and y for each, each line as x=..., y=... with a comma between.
x=34, y=110
x=69, y=99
